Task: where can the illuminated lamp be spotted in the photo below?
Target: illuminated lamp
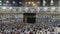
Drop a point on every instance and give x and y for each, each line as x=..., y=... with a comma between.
x=20, y=2
x=0, y=1
x=10, y=7
x=25, y=2
x=3, y=7
x=29, y=2
x=7, y=1
x=38, y=2
x=53, y=8
x=32, y=2
x=45, y=8
x=13, y=1
x=51, y=2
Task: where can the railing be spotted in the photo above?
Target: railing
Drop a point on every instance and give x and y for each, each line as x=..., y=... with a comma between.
x=29, y=9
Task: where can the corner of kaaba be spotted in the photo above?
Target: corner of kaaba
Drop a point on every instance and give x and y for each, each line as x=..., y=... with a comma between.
x=29, y=16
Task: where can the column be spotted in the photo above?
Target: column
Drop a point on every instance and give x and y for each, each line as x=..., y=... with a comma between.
x=41, y=2
x=59, y=3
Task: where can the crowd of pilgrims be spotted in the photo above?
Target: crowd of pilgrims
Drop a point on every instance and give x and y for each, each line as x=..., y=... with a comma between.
x=24, y=28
